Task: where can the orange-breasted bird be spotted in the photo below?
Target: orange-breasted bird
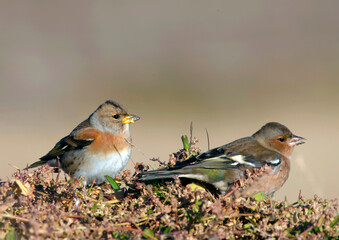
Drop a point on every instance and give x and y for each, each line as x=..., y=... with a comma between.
x=99, y=145
x=271, y=145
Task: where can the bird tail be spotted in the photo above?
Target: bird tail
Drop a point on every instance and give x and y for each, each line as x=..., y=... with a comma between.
x=36, y=164
x=159, y=174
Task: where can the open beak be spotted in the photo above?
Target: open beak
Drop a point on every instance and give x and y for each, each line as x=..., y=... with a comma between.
x=130, y=119
x=295, y=140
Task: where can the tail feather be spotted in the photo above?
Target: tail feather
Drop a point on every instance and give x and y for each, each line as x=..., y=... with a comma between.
x=36, y=164
x=154, y=175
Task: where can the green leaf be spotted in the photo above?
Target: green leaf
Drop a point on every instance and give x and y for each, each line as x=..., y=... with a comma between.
x=11, y=235
x=335, y=221
x=113, y=183
x=189, y=216
x=185, y=142
x=259, y=196
x=95, y=206
x=90, y=189
x=253, y=208
x=247, y=226
x=196, y=208
x=160, y=194
x=148, y=233
x=150, y=211
x=167, y=230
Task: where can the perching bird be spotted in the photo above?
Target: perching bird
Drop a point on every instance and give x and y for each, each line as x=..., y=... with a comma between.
x=272, y=145
x=99, y=145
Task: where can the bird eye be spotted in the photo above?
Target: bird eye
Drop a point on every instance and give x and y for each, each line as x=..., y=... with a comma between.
x=281, y=139
x=116, y=116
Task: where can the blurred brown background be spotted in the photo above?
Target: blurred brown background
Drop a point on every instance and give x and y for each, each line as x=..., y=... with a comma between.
x=228, y=66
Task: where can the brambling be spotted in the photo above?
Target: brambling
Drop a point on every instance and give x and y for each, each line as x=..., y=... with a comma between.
x=221, y=167
x=99, y=145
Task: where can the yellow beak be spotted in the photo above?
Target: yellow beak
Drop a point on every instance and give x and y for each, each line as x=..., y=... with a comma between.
x=130, y=119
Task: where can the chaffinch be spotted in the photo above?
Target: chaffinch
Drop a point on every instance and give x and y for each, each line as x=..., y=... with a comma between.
x=99, y=145
x=271, y=146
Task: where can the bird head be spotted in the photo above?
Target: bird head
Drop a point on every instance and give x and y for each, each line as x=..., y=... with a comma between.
x=112, y=117
x=278, y=137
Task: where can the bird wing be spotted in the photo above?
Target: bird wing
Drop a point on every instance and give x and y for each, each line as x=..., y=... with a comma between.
x=66, y=144
x=79, y=138
x=227, y=162
x=244, y=152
